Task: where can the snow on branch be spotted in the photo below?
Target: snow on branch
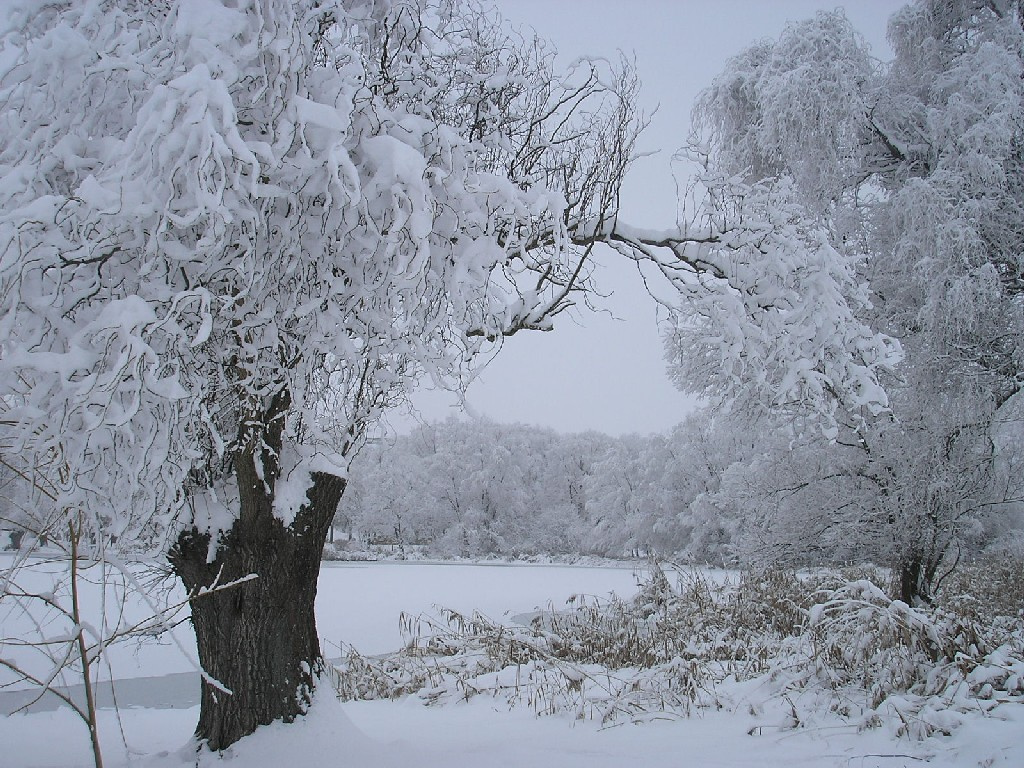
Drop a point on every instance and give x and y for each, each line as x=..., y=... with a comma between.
x=767, y=308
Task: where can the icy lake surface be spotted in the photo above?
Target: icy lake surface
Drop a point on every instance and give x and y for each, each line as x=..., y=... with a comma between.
x=358, y=605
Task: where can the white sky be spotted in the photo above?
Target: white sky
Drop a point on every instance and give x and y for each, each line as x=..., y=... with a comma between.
x=595, y=371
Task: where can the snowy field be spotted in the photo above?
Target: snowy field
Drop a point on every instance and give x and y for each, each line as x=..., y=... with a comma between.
x=359, y=604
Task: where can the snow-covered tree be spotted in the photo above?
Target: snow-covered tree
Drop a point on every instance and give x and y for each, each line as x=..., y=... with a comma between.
x=234, y=233
x=775, y=136
x=911, y=172
x=473, y=488
x=704, y=446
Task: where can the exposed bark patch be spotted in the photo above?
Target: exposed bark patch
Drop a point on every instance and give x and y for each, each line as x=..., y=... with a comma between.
x=259, y=639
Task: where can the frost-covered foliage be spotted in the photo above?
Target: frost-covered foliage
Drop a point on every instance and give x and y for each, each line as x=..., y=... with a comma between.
x=222, y=221
x=826, y=646
x=473, y=489
x=949, y=117
x=482, y=489
x=746, y=490
x=777, y=140
x=768, y=309
x=910, y=172
x=793, y=107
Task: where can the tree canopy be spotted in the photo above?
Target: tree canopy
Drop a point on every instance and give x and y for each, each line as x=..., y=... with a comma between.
x=911, y=171
x=220, y=218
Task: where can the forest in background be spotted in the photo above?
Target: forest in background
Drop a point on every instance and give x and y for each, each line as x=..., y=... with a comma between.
x=712, y=490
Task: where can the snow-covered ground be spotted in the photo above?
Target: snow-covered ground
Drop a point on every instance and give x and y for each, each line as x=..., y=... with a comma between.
x=359, y=604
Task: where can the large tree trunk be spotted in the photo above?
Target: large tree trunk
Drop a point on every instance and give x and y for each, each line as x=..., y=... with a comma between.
x=259, y=638
x=908, y=576
x=915, y=576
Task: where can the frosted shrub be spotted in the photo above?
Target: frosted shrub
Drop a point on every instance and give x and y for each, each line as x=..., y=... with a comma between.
x=844, y=646
x=923, y=667
x=992, y=588
x=861, y=636
x=661, y=652
x=599, y=659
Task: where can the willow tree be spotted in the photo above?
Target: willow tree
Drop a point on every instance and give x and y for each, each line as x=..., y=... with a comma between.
x=235, y=233
x=911, y=171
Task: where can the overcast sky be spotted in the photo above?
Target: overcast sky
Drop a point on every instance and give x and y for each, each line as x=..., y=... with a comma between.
x=595, y=371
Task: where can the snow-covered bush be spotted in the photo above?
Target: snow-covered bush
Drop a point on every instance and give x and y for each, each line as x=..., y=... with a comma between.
x=991, y=589
x=843, y=649
x=454, y=657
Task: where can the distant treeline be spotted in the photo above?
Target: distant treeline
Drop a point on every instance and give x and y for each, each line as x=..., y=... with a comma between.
x=712, y=490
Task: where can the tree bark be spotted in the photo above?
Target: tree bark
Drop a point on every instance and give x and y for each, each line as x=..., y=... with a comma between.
x=259, y=638
x=915, y=575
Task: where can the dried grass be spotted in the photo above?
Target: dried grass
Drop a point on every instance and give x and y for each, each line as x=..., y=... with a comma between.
x=671, y=651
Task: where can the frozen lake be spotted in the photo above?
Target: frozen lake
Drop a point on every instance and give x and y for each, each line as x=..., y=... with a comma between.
x=358, y=604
